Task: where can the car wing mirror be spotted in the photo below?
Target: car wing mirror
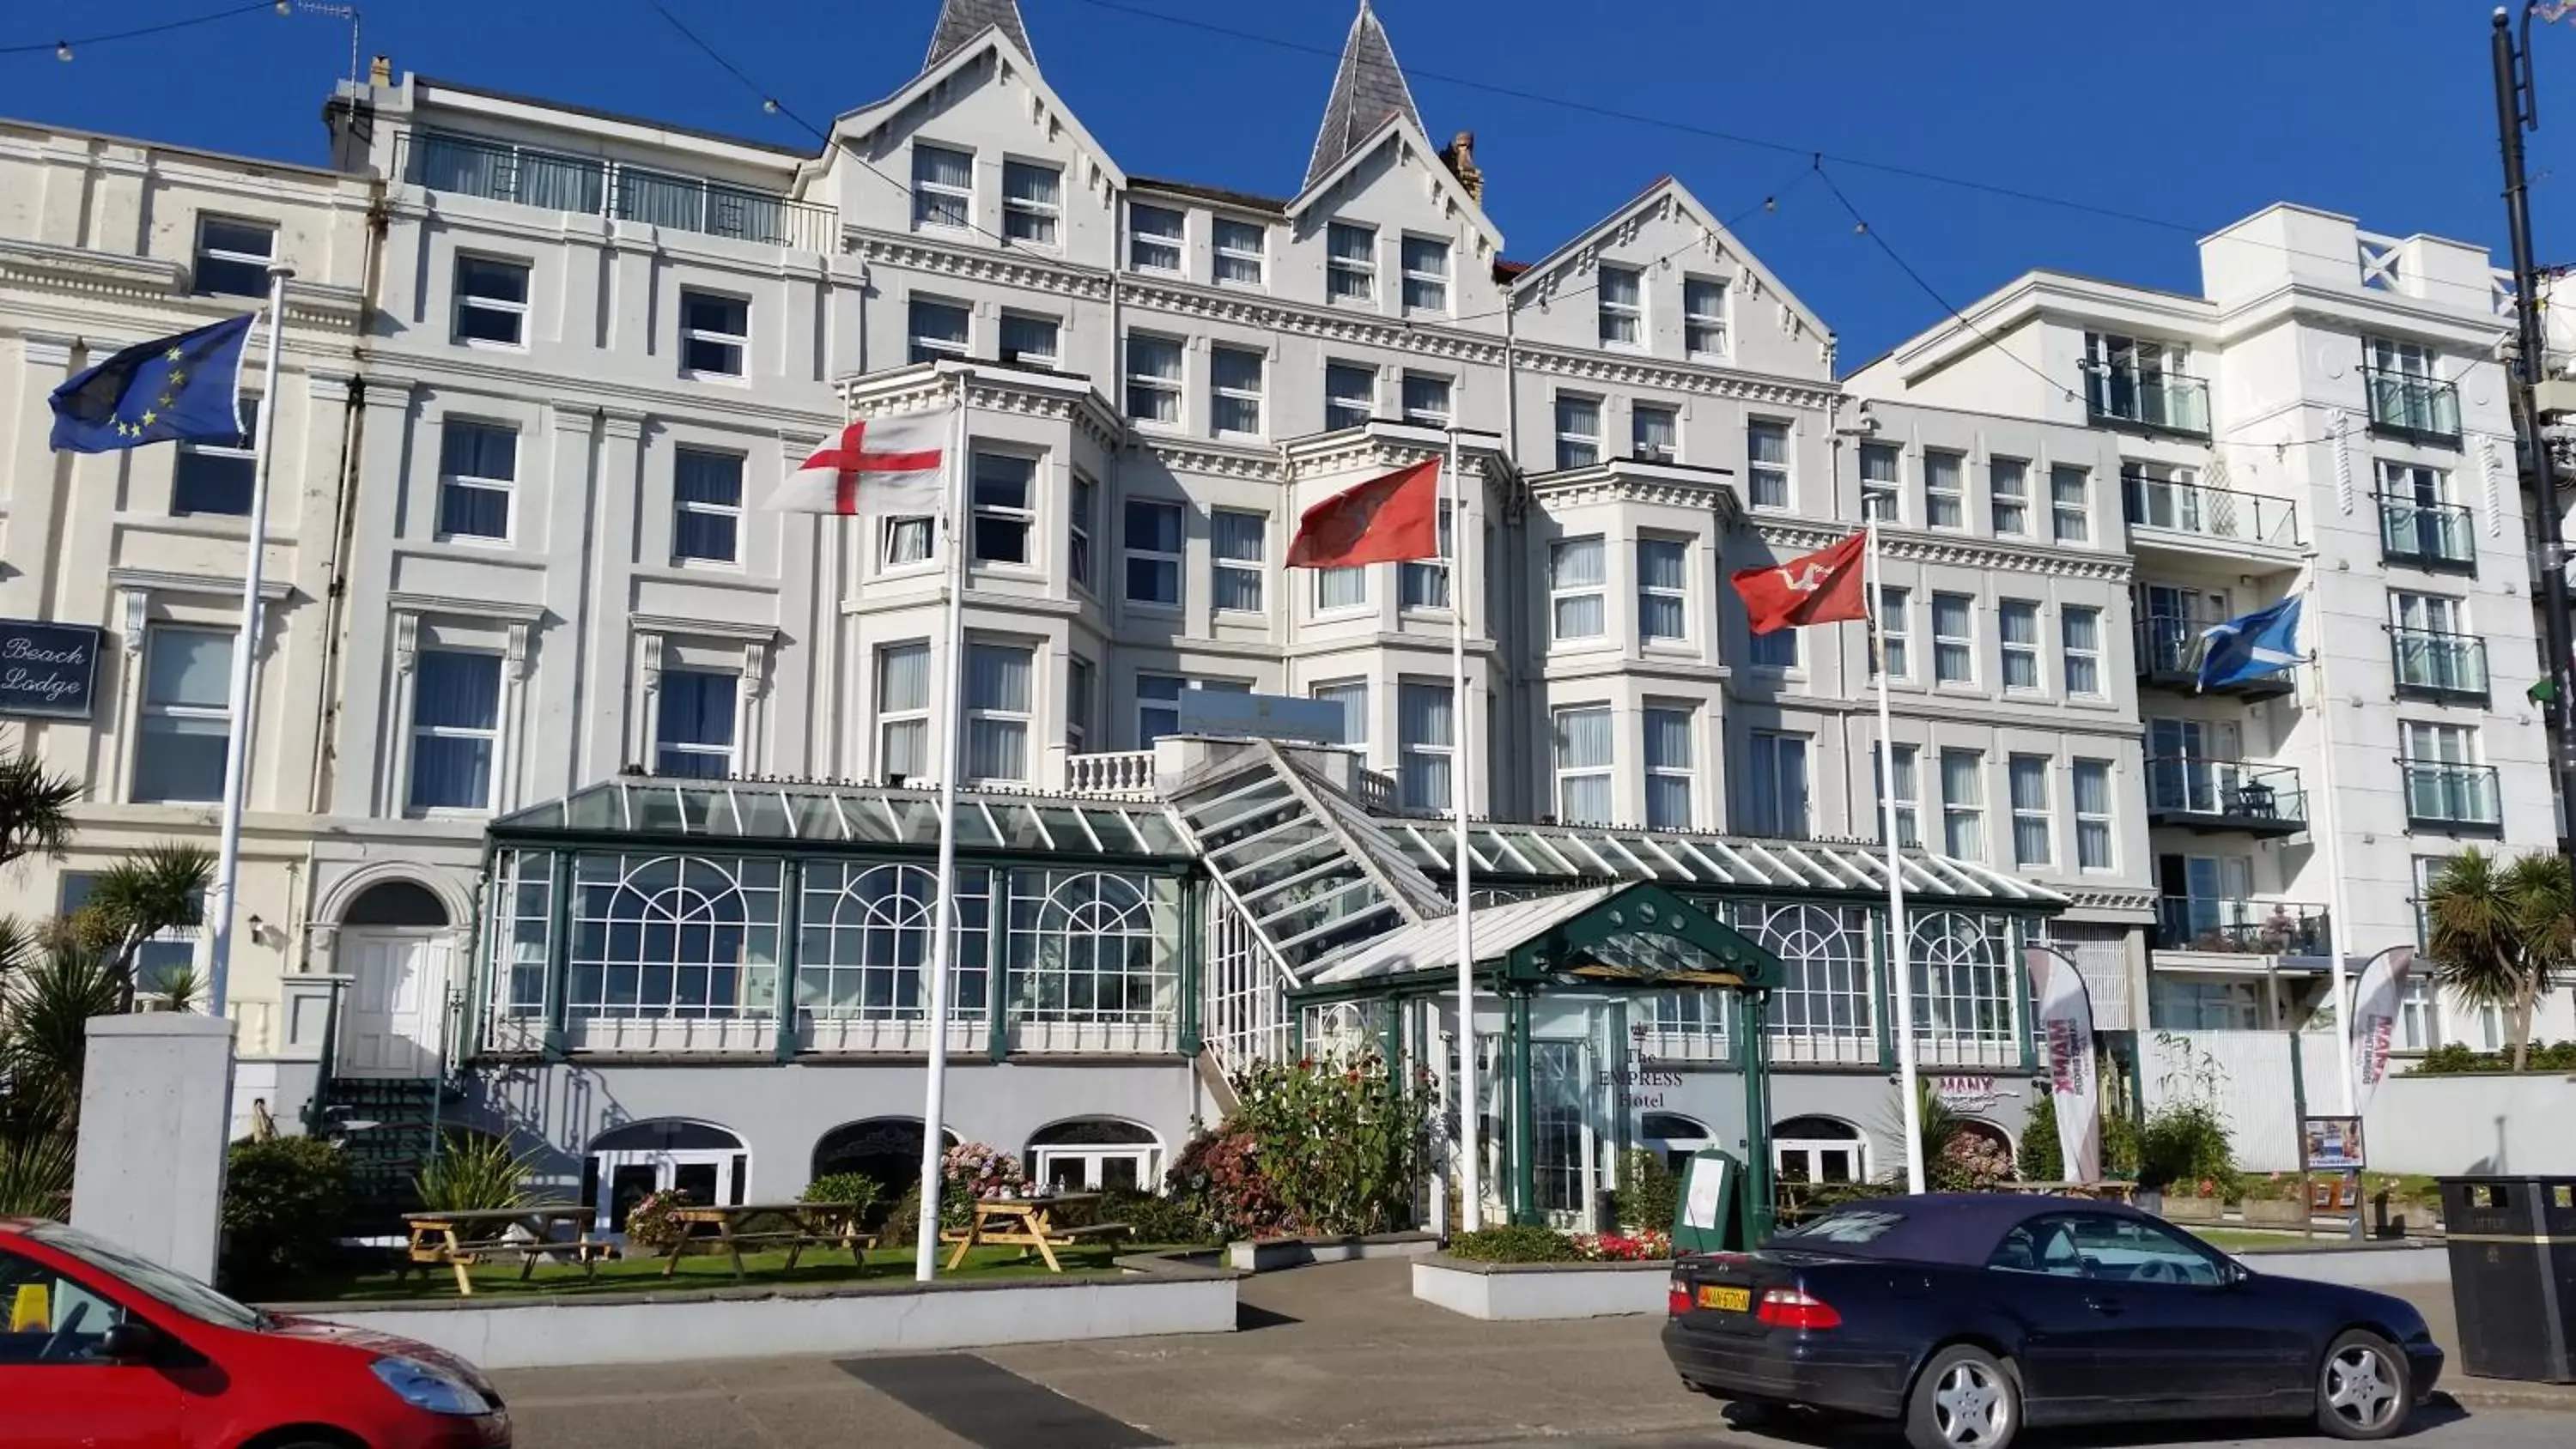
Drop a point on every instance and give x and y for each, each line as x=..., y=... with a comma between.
x=130, y=1342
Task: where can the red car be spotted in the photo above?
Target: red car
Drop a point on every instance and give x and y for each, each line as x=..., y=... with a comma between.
x=104, y=1350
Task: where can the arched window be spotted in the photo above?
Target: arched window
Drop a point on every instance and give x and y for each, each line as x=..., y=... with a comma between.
x=1819, y=1149
x=1096, y=1154
x=1086, y=947
x=396, y=903
x=625, y=1163
x=1962, y=978
x=1672, y=1137
x=1825, y=1010
x=887, y=1149
x=673, y=936
x=866, y=936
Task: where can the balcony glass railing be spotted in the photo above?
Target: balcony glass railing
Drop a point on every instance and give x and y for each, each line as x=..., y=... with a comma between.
x=2412, y=406
x=2213, y=513
x=2452, y=797
x=559, y=181
x=2229, y=790
x=2427, y=535
x=2166, y=401
x=2428, y=664
x=2253, y=928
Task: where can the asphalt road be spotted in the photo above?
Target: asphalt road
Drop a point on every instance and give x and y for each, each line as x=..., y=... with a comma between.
x=1338, y=1355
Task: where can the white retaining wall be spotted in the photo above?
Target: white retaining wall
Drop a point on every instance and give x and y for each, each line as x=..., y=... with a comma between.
x=1524, y=1291
x=2474, y=1124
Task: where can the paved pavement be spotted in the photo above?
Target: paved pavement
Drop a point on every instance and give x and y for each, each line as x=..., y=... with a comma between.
x=1336, y=1355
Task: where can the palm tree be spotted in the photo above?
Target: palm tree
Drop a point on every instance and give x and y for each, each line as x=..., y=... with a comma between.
x=160, y=889
x=35, y=808
x=2501, y=933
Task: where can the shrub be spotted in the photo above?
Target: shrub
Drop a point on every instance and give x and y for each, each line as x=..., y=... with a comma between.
x=849, y=1187
x=474, y=1172
x=1153, y=1219
x=284, y=1201
x=1969, y=1162
x=1342, y=1145
x=2042, y=1158
x=652, y=1224
x=1516, y=1243
x=1649, y=1192
x=2186, y=1142
x=903, y=1220
x=973, y=1170
x=2119, y=1145
x=1219, y=1179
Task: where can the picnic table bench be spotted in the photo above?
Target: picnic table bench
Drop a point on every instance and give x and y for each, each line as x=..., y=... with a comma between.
x=803, y=1225
x=460, y=1240
x=1029, y=1223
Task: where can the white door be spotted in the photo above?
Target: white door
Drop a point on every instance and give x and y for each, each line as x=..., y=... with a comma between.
x=393, y=1025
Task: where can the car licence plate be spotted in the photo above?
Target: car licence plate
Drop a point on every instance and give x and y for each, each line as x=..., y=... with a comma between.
x=1725, y=1300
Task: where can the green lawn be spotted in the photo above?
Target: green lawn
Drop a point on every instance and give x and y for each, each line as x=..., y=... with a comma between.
x=2241, y=1240
x=817, y=1268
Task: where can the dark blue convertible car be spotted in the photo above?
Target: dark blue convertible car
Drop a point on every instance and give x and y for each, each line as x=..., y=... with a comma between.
x=1967, y=1317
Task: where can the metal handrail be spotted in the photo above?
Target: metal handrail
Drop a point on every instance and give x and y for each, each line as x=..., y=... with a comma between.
x=2451, y=793
x=2411, y=404
x=2167, y=503
x=2429, y=659
x=2170, y=401
x=2242, y=927
x=592, y=185
x=2440, y=532
x=2202, y=786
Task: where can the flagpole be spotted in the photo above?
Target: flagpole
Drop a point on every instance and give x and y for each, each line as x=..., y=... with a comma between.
x=1470, y=1113
x=2338, y=909
x=219, y=898
x=1900, y=971
x=943, y=921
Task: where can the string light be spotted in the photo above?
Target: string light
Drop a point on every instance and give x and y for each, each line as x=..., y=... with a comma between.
x=62, y=50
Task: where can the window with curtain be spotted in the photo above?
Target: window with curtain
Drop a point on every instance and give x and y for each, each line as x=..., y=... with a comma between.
x=1963, y=804
x=2093, y=814
x=1004, y=510
x=1426, y=399
x=1352, y=696
x=455, y=725
x=1777, y=785
x=1240, y=249
x=1425, y=742
x=1236, y=540
x=1654, y=433
x=491, y=301
x=943, y=186
x=478, y=470
x=1350, y=262
x=1153, y=544
x=1895, y=634
x=1663, y=588
x=1766, y=473
x=1575, y=578
x=2070, y=503
x=1077, y=704
x=1578, y=430
x=186, y=722
x=1154, y=379
x=908, y=540
x=1669, y=777
x=1078, y=522
x=1622, y=297
x=232, y=256
x=997, y=712
x=1880, y=483
x=1945, y=501
x=1350, y=395
x=693, y=724
x=1158, y=707
x=1954, y=644
x=1704, y=317
x=2027, y=778
x=1032, y=201
x=939, y=328
x=2008, y=483
x=706, y=501
x=1234, y=383
x=1426, y=274
x=2017, y=628
x=1583, y=765
x=1031, y=340
x=715, y=334
x=1777, y=649
x=903, y=711
x=1341, y=588
x=1909, y=799
x=1154, y=235
x=217, y=477
x=2080, y=633
x=1423, y=583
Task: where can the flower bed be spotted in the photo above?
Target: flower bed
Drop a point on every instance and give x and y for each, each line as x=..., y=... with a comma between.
x=1526, y=1291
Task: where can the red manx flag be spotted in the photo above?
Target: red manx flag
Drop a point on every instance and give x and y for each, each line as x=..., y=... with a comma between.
x=876, y=465
x=1384, y=520
x=1821, y=588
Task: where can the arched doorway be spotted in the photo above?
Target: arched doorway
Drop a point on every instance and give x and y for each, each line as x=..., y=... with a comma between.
x=393, y=943
x=707, y=1162
x=1673, y=1137
x=1096, y=1154
x=1819, y=1149
x=887, y=1149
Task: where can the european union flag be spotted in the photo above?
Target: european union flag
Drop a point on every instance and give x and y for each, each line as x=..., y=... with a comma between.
x=178, y=389
x=2250, y=646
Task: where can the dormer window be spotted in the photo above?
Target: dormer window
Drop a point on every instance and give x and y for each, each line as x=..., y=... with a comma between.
x=1350, y=264
x=943, y=187
x=1623, y=306
x=1426, y=274
x=1031, y=202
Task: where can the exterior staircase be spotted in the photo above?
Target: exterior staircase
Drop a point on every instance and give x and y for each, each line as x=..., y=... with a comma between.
x=387, y=1126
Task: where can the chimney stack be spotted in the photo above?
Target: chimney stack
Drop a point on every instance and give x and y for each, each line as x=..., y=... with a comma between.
x=380, y=71
x=1460, y=157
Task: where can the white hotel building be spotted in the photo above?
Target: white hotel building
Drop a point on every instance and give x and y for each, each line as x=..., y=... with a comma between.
x=526, y=618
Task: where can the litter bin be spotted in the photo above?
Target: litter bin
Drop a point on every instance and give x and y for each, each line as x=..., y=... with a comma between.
x=2513, y=1275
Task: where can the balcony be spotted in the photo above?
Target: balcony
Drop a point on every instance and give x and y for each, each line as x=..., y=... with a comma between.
x=2169, y=658
x=2445, y=668
x=2190, y=518
x=2435, y=537
x=2152, y=402
x=2413, y=408
x=2215, y=926
x=2225, y=795
x=2452, y=799
x=593, y=186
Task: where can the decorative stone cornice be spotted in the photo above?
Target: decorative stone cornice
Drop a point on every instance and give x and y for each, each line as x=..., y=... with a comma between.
x=2125, y=900
x=461, y=607
x=1210, y=461
x=1592, y=486
x=1270, y=314
x=1002, y=268
x=1383, y=447
x=1942, y=549
x=171, y=581
x=657, y=626
x=95, y=276
x=1669, y=376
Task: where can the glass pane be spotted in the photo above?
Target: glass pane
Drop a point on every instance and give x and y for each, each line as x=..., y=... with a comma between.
x=190, y=667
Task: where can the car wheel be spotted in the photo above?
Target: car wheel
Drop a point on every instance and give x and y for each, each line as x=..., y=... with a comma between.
x=2363, y=1390
x=1964, y=1399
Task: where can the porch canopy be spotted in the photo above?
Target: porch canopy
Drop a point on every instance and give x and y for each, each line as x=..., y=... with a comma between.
x=1638, y=935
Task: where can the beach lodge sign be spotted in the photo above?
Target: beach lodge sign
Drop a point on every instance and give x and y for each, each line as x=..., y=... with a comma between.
x=48, y=671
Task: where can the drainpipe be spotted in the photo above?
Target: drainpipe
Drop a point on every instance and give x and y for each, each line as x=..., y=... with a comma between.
x=344, y=516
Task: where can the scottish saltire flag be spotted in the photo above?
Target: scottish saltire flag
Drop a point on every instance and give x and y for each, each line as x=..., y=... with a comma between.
x=2250, y=646
x=177, y=389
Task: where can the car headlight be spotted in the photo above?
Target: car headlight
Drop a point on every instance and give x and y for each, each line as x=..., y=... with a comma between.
x=424, y=1386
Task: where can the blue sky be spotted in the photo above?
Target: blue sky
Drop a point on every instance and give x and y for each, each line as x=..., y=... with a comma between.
x=2194, y=112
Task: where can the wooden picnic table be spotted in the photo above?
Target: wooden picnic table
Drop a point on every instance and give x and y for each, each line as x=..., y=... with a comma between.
x=1029, y=1223
x=808, y=1225
x=462, y=1239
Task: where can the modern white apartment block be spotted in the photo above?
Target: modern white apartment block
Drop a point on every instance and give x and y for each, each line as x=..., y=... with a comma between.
x=589, y=788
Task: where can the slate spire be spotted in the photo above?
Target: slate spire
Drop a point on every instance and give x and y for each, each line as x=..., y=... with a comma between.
x=1368, y=88
x=962, y=20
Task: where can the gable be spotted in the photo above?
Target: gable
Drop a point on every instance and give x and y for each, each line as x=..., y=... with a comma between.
x=992, y=88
